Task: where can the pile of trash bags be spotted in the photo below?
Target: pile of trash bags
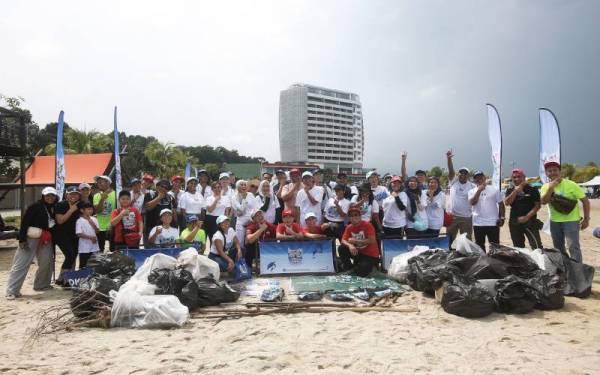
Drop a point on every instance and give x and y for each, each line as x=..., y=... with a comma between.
x=471, y=284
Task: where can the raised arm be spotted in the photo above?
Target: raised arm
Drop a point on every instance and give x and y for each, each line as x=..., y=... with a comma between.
x=451, y=172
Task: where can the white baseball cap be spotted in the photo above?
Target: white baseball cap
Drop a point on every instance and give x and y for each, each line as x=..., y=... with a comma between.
x=223, y=175
x=104, y=177
x=165, y=211
x=84, y=185
x=307, y=174
x=191, y=179
x=222, y=218
x=371, y=173
x=49, y=190
x=309, y=215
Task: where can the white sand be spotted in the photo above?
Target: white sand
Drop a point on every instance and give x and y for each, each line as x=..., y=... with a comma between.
x=563, y=341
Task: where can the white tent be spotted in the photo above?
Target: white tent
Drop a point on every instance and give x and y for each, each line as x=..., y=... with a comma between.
x=593, y=182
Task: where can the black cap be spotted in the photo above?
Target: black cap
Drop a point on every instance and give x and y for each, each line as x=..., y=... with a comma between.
x=202, y=171
x=339, y=187
x=73, y=189
x=164, y=183
x=420, y=171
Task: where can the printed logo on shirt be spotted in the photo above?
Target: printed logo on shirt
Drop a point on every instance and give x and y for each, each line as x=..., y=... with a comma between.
x=128, y=221
x=107, y=207
x=381, y=196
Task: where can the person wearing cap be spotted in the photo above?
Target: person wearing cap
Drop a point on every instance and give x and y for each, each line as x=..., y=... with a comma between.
x=394, y=209
x=358, y=250
x=288, y=229
x=147, y=182
x=257, y=230
x=368, y=206
x=164, y=235
x=488, y=211
x=217, y=205
x=278, y=190
x=85, y=190
x=291, y=190
x=87, y=231
x=193, y=235
x=104, y=201
x=137, y=194
x=226, y=185
x=524, y=202
x=266, y=201
x=35, y=241
x=154, y=203
x=127, y=223
x=342, y=179
x=191, y=202
x=460, y=209
x=562, y=196
x=225, y=247
x=67, y=213
x=312, y=230
x=336, y=211
x=436, y=203
x=309, y=199
x=203, y=184
x=243, y=203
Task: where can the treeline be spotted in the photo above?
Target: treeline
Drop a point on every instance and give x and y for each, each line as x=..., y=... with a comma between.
x=141, y=154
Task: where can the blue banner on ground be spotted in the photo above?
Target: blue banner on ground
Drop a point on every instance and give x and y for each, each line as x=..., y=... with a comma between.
x=393, y=247
x=74, y=278
x=140, y=255
x=296, y=257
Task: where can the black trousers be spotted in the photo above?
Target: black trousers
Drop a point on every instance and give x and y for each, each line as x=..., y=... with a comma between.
x=518, y=233
x=250, y=253
x=83, y=259
x=68, y=246
x=103, y=237
x=395, y=232
x=337, y=230
x=361, y=264
x=492, y=233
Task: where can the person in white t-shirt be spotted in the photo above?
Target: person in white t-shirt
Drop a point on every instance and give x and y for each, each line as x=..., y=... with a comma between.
x=86, y=228
x=380, y=192
x=191, y=202
x=394, y=209
x=243, y=203
x=266, y=201
x=164, y=235
x=436, y=202
x=368, y=206
x=203, y=184
x=460, y=209
x=225, y=247
x=416, y=209
x=137, y=195
x=308, y=199
x=336, y=212
x=217, y=204
x=488, y=211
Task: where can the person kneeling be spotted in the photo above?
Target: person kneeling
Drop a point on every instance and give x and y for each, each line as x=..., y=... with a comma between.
x=225, y=247
x=359, y=245
x=193, y=235
x=259, y=229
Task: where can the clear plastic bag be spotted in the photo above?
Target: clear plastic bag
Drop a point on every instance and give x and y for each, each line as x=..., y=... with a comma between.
x=133, y=310
x=399, y=267
x=155, y=261
x=465, y=246
x=199, y=266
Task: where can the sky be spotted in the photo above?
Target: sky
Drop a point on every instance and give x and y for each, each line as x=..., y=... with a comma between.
x=195, y=72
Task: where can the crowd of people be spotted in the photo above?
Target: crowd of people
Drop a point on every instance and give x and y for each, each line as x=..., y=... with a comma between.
x=231, y=216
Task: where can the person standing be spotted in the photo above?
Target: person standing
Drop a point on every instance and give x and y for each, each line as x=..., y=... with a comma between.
x=291, y=190
x=436, y=201
x=137, y=195
x=460, y=208
x=216, y=205
x=394, y=209
x=336, y=212
x=154, y=203
x=85, y=189
x=565, y=216
x=127, y=223
x=104, y=201
x=420, y=174
x=35, y=241
x=416, y=210
x=87, y=230
x=177, y=192
x=488, y=211
x=368, y=206
x=243, y=203
x=203, y=184
x=67, y=213
x=278, y=190
x=308, y=199
x=191, y=201
x=524, y=202
x=342, y=179
x=266, y=201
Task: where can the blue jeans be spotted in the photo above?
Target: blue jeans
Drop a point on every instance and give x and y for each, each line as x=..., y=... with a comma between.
x=568, y=230
x=232, y=253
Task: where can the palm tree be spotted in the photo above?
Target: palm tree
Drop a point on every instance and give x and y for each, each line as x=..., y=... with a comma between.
x=82, y=142
x=166, y=159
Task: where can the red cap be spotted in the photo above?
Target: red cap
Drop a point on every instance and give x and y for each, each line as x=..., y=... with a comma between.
x=551, y=164
x=353, y=210
x=287, y=213
x=294, y=171
x=175, y=178
x=519, y=172
x=396, y=179
x=148, y=176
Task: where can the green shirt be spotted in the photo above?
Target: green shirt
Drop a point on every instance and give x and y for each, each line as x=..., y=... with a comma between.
x=200, y=236
x=109, y=205
x=567, y=189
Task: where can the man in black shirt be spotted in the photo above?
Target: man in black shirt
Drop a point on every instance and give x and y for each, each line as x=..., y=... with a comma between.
x=67, y=213
x=154, y=202
x=524, y=201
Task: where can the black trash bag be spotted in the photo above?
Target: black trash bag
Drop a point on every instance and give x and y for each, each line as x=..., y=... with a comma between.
x=518, y=264
x=428, y=270
x=579, y=276
x=515, y=295
x=550, y=289
x=85, y=301
x=482, y=267
x=467, y=298
x=177, y=282
x=112, y=264
x=211, y=292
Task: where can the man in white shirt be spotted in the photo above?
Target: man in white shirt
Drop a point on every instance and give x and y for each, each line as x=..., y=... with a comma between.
x=488, y=211
x=460, y=208
x=308, y=199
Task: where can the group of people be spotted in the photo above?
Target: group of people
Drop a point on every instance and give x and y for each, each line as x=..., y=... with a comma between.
x=232, y=216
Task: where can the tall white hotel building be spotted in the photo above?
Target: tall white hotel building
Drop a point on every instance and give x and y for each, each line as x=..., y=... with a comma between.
x=321, y=126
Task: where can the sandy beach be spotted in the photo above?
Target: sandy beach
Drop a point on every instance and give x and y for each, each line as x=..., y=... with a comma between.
x=428, y=341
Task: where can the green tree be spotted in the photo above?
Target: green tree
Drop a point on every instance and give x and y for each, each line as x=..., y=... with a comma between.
x=80, y=142
x=436, y=172
x=568, y=170
x=166, y=159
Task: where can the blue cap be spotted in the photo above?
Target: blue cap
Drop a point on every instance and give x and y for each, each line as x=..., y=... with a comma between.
x=191, y=218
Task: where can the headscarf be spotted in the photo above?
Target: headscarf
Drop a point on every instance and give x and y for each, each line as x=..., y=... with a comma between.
x=413, y=198
x=439, y=189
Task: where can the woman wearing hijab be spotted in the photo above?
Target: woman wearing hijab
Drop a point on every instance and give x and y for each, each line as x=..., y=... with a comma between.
x=394, y=209
x=35, y=240
x=243, y=204
x=436, y=201
x=416, y=214
x=266, y=201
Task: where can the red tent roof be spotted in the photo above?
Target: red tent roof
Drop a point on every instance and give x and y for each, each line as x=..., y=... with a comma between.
x=79, y=168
